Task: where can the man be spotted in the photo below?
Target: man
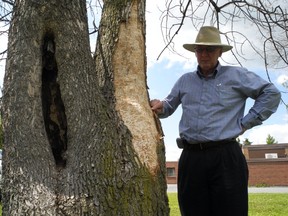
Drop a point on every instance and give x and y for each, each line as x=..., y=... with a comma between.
x=213, y=173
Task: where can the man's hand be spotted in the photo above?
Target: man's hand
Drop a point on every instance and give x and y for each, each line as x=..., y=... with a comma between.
x=156, y=106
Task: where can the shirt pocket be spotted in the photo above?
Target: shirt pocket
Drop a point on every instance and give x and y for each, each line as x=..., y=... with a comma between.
x=226, y=95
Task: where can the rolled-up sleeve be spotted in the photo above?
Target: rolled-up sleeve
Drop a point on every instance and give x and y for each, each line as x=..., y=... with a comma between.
x=267, y=98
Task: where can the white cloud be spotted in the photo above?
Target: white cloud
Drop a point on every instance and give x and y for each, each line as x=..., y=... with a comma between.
x=258, y=135
x=282, y=79
x=155, y=41
x=172, y=153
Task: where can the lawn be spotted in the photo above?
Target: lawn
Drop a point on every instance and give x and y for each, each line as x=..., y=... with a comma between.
x=259, y=204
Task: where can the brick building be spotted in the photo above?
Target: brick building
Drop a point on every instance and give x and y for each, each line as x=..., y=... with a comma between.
x=171, y=172
x=268, y=165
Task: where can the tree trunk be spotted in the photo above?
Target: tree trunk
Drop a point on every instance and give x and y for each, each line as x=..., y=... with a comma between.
x=76, y=142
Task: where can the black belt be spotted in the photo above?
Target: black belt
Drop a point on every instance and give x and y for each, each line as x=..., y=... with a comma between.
x=207, y=145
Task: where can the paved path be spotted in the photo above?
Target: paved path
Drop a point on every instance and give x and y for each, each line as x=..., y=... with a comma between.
x=173, y=188
x=268, y=189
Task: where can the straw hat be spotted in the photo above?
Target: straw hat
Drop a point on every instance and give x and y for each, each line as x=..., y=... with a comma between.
x=208, y=36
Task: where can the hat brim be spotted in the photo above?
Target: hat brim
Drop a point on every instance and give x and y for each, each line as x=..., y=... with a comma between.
x=191, y=47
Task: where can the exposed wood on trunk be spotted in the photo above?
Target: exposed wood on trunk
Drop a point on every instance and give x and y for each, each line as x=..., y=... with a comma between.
x=132, y=99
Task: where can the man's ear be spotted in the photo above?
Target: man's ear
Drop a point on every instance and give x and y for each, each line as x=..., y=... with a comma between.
x=220, y=54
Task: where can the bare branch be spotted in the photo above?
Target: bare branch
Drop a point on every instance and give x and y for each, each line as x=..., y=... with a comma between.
x=179, y=27
x=9, y=2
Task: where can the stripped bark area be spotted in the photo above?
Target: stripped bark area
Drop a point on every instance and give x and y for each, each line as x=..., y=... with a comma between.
x=132, y=99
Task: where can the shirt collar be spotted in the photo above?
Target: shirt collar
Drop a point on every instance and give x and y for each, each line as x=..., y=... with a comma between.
x=213, y=75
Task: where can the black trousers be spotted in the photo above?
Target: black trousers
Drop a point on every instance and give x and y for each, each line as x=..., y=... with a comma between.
x=213, y=182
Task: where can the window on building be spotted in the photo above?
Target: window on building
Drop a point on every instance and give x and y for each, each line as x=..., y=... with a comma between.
x=171, y=172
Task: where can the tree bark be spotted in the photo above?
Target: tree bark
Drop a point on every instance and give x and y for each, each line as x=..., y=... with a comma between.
x=70, y=145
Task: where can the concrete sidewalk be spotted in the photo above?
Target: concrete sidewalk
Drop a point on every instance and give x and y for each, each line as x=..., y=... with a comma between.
x=172, y=188
x=268, y=190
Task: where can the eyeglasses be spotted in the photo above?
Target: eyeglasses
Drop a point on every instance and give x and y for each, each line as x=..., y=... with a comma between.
x=209, y=49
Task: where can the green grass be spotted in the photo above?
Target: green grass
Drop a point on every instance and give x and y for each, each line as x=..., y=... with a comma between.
x=259, y=204
x=268, y=204
x=173, y=204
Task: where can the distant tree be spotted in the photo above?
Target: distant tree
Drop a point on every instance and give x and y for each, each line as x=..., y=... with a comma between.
x=239, y=142
x=270, y=140
x=247, y=142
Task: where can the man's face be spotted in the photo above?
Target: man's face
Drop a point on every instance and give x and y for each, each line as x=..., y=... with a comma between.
x=207, y=57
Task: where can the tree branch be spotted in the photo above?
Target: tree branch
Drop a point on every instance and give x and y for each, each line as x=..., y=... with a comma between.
x=180, y=26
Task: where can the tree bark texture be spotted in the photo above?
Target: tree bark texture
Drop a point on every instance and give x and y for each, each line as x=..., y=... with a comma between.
x=70, y=147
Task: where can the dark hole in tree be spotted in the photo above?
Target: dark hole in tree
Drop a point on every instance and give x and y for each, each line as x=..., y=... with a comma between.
x=52, y=104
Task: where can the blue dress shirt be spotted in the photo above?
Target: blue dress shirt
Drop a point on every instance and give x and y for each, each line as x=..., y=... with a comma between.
x=213, y=107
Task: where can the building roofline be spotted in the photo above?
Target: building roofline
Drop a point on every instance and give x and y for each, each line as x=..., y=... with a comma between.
x=264, y=160
x=266, y=146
